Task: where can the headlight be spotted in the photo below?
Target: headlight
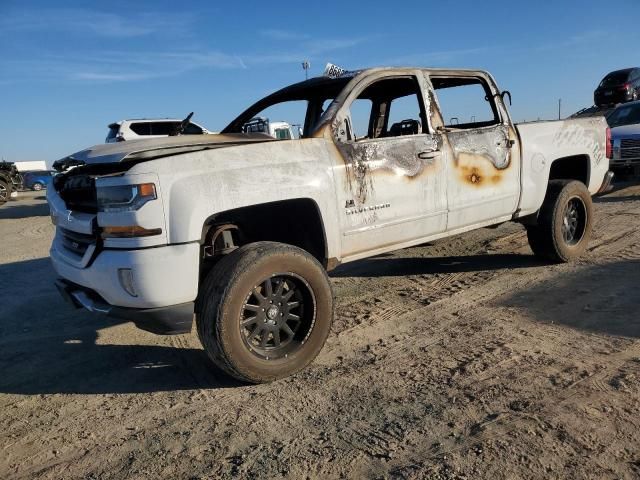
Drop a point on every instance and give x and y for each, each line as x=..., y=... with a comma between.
x=125, y=198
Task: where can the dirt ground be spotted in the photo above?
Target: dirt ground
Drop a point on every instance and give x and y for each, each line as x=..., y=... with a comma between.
x=462, y=359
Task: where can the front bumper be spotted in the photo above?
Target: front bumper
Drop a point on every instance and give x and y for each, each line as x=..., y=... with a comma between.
x=160, y=276
x=170, y=320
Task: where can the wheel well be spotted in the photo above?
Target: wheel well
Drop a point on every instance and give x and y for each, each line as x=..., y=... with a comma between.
x=295, y=222
x=571, y=168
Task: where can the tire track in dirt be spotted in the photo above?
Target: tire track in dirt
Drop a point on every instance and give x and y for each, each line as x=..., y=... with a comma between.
x=379, y=397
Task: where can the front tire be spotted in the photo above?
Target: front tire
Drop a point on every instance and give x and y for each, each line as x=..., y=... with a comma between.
x=564, y=224
x=264, y=311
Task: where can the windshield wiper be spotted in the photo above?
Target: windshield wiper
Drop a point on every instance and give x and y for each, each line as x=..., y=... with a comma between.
x=179, y=130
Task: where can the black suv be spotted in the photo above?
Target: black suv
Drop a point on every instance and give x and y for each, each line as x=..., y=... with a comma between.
x=618, y=87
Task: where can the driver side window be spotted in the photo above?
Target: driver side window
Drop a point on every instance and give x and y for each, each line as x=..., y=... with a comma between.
x=391, y=107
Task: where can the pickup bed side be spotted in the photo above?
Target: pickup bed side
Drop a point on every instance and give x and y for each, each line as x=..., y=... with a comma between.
x=566, y=149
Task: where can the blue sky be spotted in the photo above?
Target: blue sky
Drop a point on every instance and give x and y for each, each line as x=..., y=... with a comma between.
x=68, y=68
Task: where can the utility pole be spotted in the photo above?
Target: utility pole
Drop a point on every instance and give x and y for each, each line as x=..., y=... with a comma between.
x=306, y=66
x=559, y=109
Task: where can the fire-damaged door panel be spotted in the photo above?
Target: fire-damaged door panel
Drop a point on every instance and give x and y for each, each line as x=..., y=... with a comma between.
x=480, y=148
x=393, y=181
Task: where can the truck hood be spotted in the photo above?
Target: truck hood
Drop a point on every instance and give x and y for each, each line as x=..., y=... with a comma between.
x=150, y=148
x=625, y=131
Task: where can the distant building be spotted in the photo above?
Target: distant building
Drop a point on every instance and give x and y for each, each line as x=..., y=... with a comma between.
x=23, y=166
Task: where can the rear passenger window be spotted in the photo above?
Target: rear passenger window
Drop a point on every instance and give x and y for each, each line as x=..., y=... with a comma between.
x=164, y=128
x=465, y=102
x=142, y=128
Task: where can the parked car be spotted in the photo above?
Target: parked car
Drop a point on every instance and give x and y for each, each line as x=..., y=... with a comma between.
x=625, y=136
x=278, y=130
x=10, y=181
x=37, y=180
x=618, y=87
x=150, y=128
x=240, y=228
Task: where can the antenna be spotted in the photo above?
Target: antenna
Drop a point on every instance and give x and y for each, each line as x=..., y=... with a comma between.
x=306, y=65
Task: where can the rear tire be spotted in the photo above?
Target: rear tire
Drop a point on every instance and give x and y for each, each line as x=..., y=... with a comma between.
x=264, y=311
x=565, y=222
x=5, y=192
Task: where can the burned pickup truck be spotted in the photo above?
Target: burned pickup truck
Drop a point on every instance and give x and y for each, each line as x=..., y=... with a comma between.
x=239, y=229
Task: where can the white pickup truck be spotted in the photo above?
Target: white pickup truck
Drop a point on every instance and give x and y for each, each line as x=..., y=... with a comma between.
x=239, y=229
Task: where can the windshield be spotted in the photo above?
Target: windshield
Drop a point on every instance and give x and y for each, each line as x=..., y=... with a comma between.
x=625, y=115
x=301, y=104
x=615, y=78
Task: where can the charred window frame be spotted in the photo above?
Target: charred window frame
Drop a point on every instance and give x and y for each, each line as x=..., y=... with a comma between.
x=315, y=91
x=441, y=82
x=382, y=92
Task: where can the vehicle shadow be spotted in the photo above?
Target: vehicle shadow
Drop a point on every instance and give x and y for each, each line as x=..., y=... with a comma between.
x=621, y=199
x=383, y=266
x=599, y=299
x=17, y=210
x=48, y=347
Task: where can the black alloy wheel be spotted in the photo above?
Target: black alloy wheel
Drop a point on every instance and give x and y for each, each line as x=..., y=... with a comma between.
x=277, y=316
x=574, y=221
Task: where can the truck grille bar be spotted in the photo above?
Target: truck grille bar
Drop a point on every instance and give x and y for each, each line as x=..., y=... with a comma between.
x=630, y=148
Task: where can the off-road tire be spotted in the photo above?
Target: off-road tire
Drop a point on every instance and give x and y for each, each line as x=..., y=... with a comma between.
x=547, y=239
x=223, y=298
x=5, y=192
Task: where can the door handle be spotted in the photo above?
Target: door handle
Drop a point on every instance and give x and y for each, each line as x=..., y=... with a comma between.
x=509, y=143
x=430, y=155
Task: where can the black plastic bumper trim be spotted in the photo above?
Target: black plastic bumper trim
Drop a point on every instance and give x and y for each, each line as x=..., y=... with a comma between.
x=169, y=320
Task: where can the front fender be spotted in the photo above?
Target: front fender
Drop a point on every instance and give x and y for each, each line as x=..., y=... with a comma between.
x=197, y=185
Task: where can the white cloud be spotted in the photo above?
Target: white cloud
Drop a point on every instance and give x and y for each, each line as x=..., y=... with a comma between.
x=83, y=21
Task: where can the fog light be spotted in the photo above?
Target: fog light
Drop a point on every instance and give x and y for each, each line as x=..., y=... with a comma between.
x=125, y=275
